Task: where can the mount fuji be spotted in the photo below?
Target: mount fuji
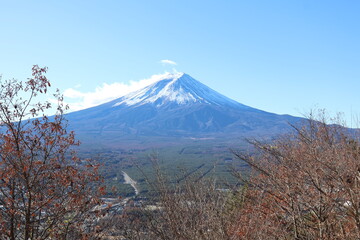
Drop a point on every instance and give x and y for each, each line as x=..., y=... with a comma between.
x=177, y=106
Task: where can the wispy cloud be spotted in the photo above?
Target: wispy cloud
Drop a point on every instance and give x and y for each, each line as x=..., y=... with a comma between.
x=167, y=61
x=77, y=100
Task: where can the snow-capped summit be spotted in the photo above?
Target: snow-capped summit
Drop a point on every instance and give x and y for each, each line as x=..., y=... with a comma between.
x=175, y=105
x=179, y=88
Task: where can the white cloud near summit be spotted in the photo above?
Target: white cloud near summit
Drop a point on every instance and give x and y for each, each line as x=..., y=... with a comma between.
x=77, y=100
x=167, y=61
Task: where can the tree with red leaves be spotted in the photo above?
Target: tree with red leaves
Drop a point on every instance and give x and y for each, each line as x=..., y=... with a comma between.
x=46, y=191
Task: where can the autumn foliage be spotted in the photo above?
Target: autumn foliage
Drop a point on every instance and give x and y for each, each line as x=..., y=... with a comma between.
x=46, y=191
x=305, y=186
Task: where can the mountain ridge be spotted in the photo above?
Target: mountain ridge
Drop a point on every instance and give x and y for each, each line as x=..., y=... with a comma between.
x=176, y=106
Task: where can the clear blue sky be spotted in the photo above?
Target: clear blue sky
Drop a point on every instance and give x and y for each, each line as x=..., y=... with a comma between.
x=280, y=56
